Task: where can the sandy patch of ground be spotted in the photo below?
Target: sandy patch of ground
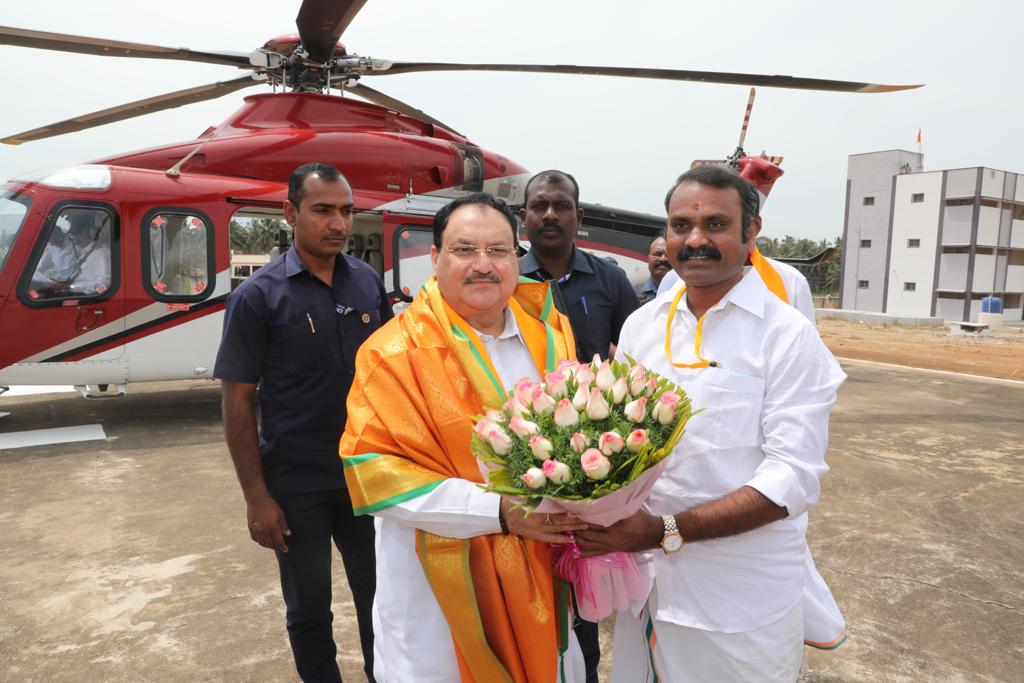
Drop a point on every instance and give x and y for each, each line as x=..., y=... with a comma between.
x=999, y=354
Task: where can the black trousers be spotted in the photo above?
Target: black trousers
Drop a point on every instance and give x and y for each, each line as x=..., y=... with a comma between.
x=590, y=644
x=315, y=518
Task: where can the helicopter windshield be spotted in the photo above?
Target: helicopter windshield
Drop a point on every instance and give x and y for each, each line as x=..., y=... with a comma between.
x=13, y=209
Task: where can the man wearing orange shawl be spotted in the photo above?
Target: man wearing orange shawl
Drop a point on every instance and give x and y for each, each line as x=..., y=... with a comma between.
x=465, y=586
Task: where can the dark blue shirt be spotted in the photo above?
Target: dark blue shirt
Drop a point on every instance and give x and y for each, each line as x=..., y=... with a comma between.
x=287, y=331
x=596, y=296
x=647, y=291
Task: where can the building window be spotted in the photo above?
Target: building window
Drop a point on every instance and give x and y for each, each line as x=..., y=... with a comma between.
x=913, y=244
x=909, y=286
x=862, y=284
x=869, y=201
x=865, y=244
x=917, y=198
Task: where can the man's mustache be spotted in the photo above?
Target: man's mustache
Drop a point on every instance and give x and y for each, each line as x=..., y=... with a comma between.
x=489, y=277
x=706, y=251
x=662, y=263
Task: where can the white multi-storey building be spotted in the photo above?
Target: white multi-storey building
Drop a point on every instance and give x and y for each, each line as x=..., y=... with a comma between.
x=933, y=243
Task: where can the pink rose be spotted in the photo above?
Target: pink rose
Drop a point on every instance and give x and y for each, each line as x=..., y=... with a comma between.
x=605, y=377
x=611, y=443
x=558, y=472
x=514, y=406
x=534, y=478
x=483, y=426
x=522, y=428
x=636, y=440
x=584, y=375
x=618, y=390
x=636, y=411
x=555, y=382
x=637, y=380
x=579, y=399
x=541, y=447
x=597, y=406
x=498, y=440
x=578, y=442
x=494, y=415
x=665, y=409
x=542, y=403
x=523, y=390
x=594, y=464
x=652, y=386
x=565, y=414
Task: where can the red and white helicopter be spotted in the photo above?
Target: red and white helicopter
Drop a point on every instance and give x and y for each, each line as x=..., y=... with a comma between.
x=117, y=271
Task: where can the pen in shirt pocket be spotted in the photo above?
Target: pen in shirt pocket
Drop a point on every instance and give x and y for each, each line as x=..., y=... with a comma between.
x=312, y=327
x=583, y=300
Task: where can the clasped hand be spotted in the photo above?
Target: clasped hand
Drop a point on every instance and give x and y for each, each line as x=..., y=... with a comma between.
x=642, y=531
x=540, y=526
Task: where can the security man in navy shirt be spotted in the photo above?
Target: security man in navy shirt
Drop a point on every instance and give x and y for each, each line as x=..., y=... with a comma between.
x=594, y=293
x=286, y=362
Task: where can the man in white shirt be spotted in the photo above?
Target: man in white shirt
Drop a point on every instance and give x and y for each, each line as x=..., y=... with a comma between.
x=727, y=567
x=465, y=585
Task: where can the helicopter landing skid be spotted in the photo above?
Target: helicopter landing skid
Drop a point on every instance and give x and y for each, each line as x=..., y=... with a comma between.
x=86, y=391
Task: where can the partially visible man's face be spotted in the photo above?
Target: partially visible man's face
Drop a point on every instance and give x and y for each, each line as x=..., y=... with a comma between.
x=657, y=260
x=323, y=220
x=703, y=239
x=551, y=216
x=480, y=284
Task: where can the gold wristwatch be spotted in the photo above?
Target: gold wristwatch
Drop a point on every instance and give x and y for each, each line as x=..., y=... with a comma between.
x=672, y=541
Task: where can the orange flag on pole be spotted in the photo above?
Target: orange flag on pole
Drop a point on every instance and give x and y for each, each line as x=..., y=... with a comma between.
x=919, y=136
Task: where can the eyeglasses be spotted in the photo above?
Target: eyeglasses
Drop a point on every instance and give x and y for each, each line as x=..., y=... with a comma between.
x=468, y=253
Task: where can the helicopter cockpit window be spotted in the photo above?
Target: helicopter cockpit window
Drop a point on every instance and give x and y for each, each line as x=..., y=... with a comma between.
x=13, y=208
x=412, y=262
x=179, y=255
x=75, y=263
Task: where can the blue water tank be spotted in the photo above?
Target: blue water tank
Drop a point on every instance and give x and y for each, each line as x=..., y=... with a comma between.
x=991, y=304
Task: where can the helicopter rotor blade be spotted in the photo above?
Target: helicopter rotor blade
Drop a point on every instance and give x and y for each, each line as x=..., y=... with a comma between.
x=746, y=119
x=63, y=42
x=132, y=109
x=377, y=97
x=774, y=81
x=321, y=23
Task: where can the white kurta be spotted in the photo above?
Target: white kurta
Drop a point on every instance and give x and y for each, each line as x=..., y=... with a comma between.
x=765, y=425
x=823, y=621
x=412, y=641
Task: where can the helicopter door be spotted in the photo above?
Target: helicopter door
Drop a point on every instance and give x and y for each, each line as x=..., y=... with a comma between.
x=71, y=298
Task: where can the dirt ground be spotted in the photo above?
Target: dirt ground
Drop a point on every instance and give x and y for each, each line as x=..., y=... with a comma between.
x=999, y=354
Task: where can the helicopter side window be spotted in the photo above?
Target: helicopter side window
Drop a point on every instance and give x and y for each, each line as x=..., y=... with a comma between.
x=75, y=262
x=412, y=262
x=13, y=208
x=179, y=249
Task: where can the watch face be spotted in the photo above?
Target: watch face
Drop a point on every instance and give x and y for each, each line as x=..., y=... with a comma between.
x=672, y=543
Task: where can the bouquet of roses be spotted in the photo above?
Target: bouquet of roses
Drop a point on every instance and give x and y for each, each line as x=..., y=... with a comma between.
x=590, y=439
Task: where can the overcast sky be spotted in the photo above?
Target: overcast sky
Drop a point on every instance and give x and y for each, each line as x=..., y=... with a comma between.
x=625, y=140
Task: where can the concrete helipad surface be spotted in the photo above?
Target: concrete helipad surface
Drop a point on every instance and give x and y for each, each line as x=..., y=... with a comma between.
x=127, y=559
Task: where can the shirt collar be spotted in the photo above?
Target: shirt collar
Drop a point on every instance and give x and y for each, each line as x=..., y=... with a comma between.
x=293, y=264
x=510, y=330
x=529, y=264
x=649, y=286
x=748, y=294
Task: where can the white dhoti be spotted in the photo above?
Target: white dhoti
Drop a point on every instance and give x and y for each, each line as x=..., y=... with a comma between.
x=646, y=650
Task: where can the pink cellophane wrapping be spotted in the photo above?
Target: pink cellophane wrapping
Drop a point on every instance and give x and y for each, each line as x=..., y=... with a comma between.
x=606, y=582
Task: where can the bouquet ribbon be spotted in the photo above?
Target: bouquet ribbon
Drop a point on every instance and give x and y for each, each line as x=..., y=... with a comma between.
x=602, y=583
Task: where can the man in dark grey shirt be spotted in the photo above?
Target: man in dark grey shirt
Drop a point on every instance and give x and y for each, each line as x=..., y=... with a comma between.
x=594, y=293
